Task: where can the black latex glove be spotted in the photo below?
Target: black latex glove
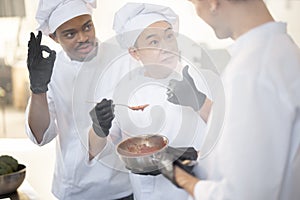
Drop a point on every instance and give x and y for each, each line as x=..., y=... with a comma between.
x=180, y=157
x=167, y=169
x=40, y=68
x=182, y=153
x=185, y=93
x=102, y=115
x=173, y=156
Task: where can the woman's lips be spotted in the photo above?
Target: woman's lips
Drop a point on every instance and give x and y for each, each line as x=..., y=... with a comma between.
x=168, y=59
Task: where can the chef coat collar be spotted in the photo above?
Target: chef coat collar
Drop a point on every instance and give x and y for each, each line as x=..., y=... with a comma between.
x=264, y=30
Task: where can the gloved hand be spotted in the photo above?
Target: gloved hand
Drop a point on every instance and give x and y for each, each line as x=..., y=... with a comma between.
x=40, y=68
x=170, y=157
x=102, y=115
x=185, y=93
x=180, y=157
x=182, y=153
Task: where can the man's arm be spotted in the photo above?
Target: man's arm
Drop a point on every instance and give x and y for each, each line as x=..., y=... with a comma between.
x=185, y=180
x=38, y=116
x=40, y=71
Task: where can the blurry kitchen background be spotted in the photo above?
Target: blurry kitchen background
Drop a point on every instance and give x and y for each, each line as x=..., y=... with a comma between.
x=17, y=20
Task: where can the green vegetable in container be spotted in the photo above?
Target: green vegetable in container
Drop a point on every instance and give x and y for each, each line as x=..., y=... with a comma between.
x=5, y=168
x=8, y=164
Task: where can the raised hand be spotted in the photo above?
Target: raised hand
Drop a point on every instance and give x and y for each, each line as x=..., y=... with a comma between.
x=185, y=93
x=40, y=68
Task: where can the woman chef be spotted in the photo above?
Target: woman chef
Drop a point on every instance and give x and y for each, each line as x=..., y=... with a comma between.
x=258, y=154
x=149, y=33
x=49, y=113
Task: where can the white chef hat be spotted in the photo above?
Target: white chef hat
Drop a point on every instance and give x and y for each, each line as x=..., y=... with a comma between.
x=133, y=18
x=53, y=13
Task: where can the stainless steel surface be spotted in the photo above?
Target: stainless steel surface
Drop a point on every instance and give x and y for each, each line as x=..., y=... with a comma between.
x=142, y=161
x=10, y=182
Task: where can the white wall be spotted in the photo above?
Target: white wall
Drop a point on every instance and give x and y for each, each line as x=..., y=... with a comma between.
x=287, y=11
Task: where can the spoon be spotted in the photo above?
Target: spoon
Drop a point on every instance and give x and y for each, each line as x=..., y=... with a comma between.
x=140, y=107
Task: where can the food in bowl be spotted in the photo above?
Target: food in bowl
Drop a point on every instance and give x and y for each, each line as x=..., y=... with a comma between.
x=140, y=153
x=142, y=149
x=142, y=145
x=12, y=174
x=8, y=164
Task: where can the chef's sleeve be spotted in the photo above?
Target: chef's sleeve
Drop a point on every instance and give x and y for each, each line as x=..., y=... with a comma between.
x=52, y=129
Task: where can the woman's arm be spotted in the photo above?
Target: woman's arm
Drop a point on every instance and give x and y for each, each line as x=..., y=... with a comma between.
x=96, y=144
x=205, y=109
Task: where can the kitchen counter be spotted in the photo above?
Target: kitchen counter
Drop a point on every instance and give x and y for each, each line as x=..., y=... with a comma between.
x=39, y=162
x=24, y=192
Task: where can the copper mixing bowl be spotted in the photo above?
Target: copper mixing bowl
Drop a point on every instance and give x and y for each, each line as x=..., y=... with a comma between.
x=140, y=154
x=10, y=182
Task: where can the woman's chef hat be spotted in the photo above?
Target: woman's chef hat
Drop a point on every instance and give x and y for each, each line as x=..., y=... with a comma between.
x=53, y=13
x=133, y=18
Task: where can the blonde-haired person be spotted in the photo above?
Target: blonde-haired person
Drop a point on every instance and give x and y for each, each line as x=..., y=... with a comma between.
x=257, y=156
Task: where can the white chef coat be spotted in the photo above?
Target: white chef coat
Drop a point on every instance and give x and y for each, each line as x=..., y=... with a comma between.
x=258, y=154
x=181, y=125
x=76, y=177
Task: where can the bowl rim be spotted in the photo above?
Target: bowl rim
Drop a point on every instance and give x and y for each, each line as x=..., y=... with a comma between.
x=23, y=169
x=142, y=154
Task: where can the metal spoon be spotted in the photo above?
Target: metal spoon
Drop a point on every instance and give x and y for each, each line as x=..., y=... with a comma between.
x=140, y=107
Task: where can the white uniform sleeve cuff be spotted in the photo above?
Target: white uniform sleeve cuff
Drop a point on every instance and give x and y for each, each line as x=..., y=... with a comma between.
x=48, y=135
x=205, y=190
